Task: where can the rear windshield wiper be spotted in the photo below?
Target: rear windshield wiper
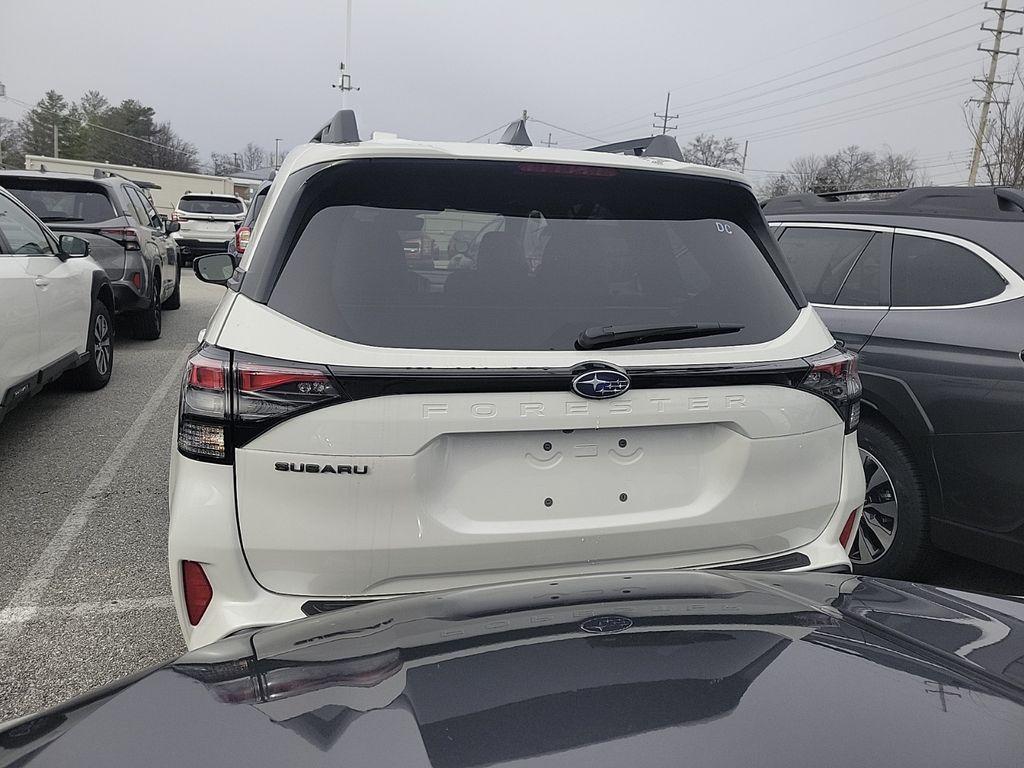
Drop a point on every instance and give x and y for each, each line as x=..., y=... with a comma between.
x=627, y=335
x=61, y=218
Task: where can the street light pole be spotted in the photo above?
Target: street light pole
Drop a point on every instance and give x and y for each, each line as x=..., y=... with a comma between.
x=277, y=154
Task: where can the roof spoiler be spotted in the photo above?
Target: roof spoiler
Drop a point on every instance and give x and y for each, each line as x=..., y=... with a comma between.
x=342, y=129
x=661, y=145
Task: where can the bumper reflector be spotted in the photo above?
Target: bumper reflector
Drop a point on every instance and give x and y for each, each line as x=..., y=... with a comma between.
x=198, y=592
x=846, y=535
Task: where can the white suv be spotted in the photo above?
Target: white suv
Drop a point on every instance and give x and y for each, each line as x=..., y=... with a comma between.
x=56, y=306
x=618, y=371
x=208, y=223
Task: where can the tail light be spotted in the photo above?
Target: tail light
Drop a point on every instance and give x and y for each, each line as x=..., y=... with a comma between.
x=197, y=590
x=833, y=376
x=126, y=236
x=178, y=216
x=242, y=238
x=229, y=399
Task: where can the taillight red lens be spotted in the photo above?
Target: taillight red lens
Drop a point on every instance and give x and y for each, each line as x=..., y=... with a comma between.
x=177, y=216
x=203, y=410
x=268, y=389
x=834, y=377
x=126, y=236
x=242, y=239
x=847, y=532
x=197, y=589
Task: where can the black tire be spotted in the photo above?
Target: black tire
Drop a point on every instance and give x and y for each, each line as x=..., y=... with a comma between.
x=148, y=323
x=174, y=300
x=893, y=538
x=95, y=372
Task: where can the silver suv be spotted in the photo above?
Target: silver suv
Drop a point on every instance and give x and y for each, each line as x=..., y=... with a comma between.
x=126, y=237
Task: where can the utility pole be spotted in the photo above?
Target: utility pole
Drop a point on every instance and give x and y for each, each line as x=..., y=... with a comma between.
x=665, y=127
x=990, y=81
x=344, y=83
x=56, y=151
x=743, y=165
x=277, y=154
x=549, y=142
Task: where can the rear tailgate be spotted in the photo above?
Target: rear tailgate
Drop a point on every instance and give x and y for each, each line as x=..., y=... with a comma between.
x=108, y=253
x=439, y=490
x=208, y=226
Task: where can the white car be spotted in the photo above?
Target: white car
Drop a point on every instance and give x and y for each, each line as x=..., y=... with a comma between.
x=626, y=377
x=208, y=223
x=56, y=307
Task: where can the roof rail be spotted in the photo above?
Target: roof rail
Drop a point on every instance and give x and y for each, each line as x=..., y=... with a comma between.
x=869, y=191
x=976, y=202
x=342, y=129
x=516, y=134
x=661, y=145
x=100, y=173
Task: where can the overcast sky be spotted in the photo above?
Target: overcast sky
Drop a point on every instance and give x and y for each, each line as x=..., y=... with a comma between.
x=790, y=76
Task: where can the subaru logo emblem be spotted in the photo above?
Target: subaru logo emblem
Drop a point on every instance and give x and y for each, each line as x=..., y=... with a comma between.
x=606, y=625
x=600, y=383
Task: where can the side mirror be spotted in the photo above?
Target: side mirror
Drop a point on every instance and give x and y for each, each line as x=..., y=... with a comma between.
x=216, y=268
x=73, y=247
x=171, y=226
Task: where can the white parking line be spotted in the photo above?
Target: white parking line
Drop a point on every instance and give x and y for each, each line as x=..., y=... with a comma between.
x=19, y=615
x=25, y=600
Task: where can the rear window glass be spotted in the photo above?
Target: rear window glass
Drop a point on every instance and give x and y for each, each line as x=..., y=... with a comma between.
x=221, y=206
x=59, y=200
x=516, y=256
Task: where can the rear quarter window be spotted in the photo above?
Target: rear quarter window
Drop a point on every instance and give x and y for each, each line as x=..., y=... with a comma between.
x=927, y=272
x=512, y=256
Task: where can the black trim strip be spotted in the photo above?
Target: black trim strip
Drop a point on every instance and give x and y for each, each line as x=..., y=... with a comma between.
x=365, y=383
x=779, y=563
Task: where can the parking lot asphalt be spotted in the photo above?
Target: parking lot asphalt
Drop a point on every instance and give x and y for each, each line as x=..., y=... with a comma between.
x=84, y=595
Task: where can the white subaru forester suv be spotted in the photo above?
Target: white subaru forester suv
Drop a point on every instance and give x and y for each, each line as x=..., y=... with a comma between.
x=587, y=361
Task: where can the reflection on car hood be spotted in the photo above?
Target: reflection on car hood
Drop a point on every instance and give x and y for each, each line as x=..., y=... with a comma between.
x=657, y=669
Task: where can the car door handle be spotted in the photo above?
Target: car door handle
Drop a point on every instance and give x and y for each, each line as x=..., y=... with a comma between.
x=41, y=282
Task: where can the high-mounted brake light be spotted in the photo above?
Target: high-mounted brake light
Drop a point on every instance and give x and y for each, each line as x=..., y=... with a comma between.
x=228, y=399
x=833, y=376
x=560, y=169
x=197, y=591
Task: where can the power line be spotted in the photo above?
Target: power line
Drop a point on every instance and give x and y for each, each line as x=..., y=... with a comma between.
x=825, y=62
x=485, y=135
x=565, y=130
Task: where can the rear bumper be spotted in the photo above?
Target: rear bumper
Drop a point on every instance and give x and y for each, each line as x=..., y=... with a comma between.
x=203, y=528
x=128, y=298
x=191, y=247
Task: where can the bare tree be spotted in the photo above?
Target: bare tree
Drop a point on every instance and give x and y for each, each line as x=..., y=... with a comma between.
x=776, y=186
x=708, y=149
x=804, y=171
x=893, y=169
x=253, y=157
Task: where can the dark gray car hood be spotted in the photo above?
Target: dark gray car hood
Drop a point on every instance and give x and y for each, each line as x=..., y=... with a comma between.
x=643, y=669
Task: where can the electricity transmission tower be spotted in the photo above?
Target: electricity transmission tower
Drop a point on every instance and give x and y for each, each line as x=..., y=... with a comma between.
x=990, y=82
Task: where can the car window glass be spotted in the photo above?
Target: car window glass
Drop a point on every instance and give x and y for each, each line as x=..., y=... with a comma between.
x=498, y=256
x=821, y=258
x=141, y=205
x=928, y=273
x=216, y=206
x=863, y=286
x=62, y=201
x=23, y=234
x=133, y=209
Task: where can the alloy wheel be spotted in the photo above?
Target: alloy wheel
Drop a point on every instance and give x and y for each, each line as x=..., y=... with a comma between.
x=101, y=344
x=880, y=517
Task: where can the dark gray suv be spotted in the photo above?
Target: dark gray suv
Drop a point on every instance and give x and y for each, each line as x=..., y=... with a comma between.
x=925, y=284
x=126, y=237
